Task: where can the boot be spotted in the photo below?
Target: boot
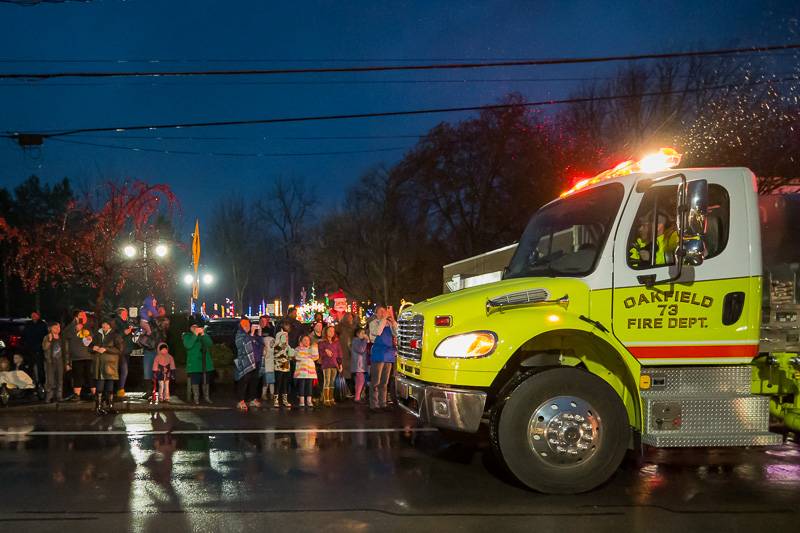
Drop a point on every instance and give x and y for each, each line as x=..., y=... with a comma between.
x=325, y=402
x=98, y=405
x=301, y=401
x=207, y=393
x=331, y=399
x=264, y=396
x=110, y=403
x=309, y=402
x=196, y=394
x=285, y=400
x=275, y=401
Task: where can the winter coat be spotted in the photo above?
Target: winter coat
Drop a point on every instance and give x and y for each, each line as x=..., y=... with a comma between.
x=245, y=361
x=282, y=352
x=358, y=354
x=148, y=311
x=53, y=350
x=296, y=331
x=268, y=360
x=32, y=335
x=345, y=330
x=106, y=365
x=197, y=348
x=304, y=366
x=127, y=339
x=330, y=361
x=74, y=347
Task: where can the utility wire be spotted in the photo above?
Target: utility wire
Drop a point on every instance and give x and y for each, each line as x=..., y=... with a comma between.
x=412, y=81
x=232, y=154
x=156, y=61
x=385, y=68
x=48, y=134
x=251, y=138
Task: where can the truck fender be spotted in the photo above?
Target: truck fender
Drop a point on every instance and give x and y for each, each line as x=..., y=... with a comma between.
x=577, y=348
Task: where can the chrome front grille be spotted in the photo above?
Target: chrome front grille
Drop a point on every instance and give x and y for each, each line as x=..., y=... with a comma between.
x=410, y=329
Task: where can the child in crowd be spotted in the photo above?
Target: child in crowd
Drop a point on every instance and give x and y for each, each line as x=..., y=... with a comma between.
x=330, y=357
x=358, y=360
x=305, y=371
x=268, y=367
x=20, y=365
x=163, y=370
x=282, y=353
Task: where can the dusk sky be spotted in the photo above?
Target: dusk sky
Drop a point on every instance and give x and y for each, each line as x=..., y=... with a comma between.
x=204, y=34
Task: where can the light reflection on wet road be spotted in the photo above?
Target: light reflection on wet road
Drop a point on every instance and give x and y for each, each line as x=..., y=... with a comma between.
x=345, y=468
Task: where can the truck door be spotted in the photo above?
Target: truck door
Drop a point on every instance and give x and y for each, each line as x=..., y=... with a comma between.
x=710, y=315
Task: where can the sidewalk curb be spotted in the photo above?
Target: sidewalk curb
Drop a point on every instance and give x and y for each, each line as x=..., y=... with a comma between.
x=121, y=407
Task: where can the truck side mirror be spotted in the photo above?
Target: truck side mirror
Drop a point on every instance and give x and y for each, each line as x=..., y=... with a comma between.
x=694, y=221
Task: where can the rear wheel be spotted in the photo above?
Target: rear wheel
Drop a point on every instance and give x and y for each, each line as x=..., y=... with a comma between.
x=562, y=431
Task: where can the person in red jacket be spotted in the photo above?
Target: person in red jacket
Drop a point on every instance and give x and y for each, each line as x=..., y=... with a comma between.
x=330, y=356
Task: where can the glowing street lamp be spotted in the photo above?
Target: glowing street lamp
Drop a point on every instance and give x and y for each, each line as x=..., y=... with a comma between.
x=162, y=250
x=129, y=250
x=188, y=279
x=208, y=279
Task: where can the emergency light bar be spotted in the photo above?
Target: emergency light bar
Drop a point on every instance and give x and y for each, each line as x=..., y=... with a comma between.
x=662, y=160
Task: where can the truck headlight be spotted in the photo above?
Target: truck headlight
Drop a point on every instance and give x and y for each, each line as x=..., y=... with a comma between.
x=467, y=345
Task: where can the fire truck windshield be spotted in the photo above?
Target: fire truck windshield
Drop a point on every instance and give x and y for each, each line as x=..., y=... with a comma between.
x=565, y=238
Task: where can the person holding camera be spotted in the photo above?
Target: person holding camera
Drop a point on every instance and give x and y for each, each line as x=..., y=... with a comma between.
x=382, y=333
x=246, y=365
x=53, y=348
x=125, y=330
x=199, y=364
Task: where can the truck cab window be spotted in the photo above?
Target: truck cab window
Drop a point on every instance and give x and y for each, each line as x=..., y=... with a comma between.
x=565, y=238
x=654, y=235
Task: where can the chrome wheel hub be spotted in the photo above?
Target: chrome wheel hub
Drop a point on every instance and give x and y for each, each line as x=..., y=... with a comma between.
x=564, y=430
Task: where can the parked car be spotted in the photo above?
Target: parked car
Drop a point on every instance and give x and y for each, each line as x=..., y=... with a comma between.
x=223, y=331
x=11, y=335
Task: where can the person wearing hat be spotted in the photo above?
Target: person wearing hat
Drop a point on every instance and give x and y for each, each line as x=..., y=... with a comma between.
x=246, y=364
x=106, y=348
x=199, y=364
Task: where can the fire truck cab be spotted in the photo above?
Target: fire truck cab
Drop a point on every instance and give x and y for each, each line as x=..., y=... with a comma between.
x=629, y=313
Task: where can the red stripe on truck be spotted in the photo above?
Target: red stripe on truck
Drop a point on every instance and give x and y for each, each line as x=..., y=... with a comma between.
x=698, y=352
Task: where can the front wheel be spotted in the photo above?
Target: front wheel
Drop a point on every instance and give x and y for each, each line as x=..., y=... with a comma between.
x=562, y=431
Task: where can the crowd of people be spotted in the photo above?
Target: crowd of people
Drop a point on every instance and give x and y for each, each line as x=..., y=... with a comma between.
x=314, y=364
x=287, y=364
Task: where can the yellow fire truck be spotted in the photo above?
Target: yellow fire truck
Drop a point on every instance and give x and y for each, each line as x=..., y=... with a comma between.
x=629, y=314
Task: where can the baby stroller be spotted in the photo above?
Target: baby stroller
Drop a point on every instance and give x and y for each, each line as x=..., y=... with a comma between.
x=17, y=385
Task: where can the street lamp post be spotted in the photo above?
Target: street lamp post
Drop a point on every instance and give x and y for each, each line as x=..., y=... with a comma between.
x=129, y=251
x=190, y=279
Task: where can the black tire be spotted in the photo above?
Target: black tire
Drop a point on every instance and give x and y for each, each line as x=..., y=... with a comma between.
x=510, y=434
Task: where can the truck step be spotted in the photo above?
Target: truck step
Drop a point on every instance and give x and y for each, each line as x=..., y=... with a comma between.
x=714, y=416
x=687, y=440
x=700, y=381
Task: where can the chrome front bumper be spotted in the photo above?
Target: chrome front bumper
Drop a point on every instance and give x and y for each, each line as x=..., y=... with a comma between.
x=443, y=407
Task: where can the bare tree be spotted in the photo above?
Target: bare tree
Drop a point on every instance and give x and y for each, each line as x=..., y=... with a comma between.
x=232, y=241
x=286, y=208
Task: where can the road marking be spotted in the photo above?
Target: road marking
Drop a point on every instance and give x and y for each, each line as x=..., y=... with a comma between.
x=135, y=432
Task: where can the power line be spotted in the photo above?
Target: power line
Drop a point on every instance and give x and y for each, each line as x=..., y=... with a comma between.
x=385, y=68
x=232, y=154
x=251, y=138
x=156, y=61
x=172, y=83
x=46, y=134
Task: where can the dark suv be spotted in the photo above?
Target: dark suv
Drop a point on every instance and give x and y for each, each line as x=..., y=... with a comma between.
x=223, y=331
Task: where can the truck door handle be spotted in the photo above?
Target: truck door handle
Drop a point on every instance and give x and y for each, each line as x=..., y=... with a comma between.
x=732, y=307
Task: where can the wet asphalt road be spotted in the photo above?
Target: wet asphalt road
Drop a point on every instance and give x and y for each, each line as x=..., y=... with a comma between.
x=347, y=469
